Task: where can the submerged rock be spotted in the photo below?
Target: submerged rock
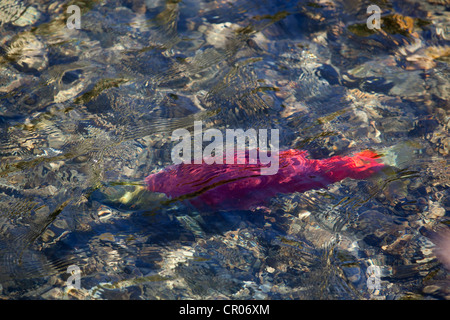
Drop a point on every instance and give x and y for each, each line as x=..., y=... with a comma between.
x=28, y=53
x=29, y=17
x=11, y=10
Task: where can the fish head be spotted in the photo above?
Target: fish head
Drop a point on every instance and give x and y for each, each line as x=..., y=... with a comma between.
x=360, y=166
x=364, y=164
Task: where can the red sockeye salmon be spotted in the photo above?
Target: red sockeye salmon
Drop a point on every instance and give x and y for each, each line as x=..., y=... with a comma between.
x=241, y=186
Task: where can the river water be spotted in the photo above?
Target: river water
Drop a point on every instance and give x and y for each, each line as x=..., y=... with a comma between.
x=86, y=114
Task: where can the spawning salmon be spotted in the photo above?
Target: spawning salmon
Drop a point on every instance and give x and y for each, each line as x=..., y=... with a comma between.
x=241, y=186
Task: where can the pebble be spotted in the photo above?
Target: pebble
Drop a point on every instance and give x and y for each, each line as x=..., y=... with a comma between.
x=436, y=211
x=430, y=289
x=104, y=213
x=10, y=10
x=29, y=52
x=53, y=294
x=29, y=17
x=109, y=237
x=61, y=223
x=218, y=35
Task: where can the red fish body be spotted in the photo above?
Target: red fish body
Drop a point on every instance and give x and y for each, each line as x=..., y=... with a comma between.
x=241, y=186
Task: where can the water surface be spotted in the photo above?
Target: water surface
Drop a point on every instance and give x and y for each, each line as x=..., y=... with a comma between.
x=86, y=115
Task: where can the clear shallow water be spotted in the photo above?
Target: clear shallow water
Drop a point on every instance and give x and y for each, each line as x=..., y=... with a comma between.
x=86, y=115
